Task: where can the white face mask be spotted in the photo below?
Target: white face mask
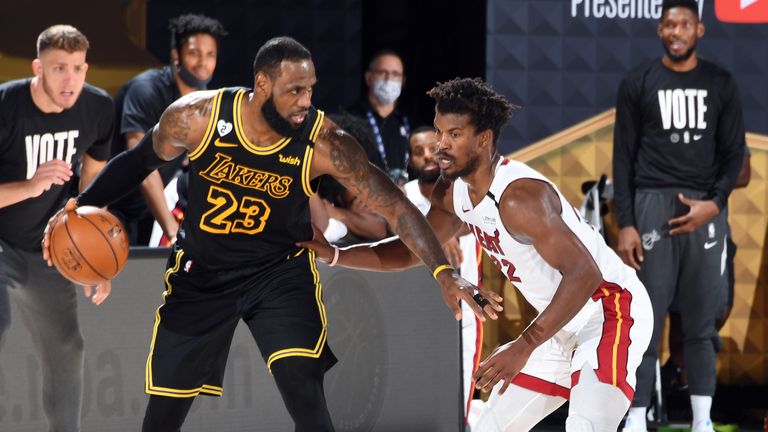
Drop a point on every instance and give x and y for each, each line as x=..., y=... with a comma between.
x=387, y=91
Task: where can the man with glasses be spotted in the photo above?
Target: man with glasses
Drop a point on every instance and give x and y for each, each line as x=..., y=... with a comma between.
x=384, y=79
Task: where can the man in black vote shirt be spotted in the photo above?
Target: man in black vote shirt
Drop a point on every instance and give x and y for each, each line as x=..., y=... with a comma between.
x=678, y=146
x=139, y=104
x=49, y=123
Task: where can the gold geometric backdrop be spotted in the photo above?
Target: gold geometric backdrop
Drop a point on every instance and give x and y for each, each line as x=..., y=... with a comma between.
x=583, y=152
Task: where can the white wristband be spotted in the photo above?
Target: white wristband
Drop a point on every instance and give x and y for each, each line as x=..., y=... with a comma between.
x=335, y=256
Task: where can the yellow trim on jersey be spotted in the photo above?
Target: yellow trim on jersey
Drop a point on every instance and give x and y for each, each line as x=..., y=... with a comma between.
x=149, y=387
x=617, y=340
x=318, y=349
x=210, y=129
x=305, y=168
x=317, y=126
x=248, y=145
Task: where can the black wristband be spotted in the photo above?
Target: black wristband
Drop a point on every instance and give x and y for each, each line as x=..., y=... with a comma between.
x=122, y=174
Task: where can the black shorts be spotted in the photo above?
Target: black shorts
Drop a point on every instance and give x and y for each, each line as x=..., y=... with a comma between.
x=282, y=306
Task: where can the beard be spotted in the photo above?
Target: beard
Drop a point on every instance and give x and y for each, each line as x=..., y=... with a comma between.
x=469, y=168
x=682, y=57
x=275, y=120
x=428, y=177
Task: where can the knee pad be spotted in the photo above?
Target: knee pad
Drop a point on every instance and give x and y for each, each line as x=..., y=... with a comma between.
x=577, y=423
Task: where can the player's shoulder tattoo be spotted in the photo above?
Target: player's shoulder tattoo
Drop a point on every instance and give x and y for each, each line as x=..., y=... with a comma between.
x=184, y=119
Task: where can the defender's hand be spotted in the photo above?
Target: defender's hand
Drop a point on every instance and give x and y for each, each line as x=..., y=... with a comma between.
x=452, y=250
x=482, y=301
x=504, y=363
x=71, y=205
x=630, y=248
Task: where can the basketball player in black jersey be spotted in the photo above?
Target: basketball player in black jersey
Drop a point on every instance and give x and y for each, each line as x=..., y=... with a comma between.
x=253, y=157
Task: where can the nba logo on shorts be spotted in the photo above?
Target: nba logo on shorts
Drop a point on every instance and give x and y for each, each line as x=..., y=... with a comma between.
x=187, y=266
x=742, y=11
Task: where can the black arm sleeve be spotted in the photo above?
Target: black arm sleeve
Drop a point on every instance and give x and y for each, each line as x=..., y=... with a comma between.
x=122, y=174
x=626, y=134
x=731, y=144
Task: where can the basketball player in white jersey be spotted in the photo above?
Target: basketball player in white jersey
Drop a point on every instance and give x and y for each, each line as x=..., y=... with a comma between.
x=595, y=319
x=423, y=163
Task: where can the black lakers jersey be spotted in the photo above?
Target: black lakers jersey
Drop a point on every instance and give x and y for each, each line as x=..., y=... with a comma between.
x=248, y=205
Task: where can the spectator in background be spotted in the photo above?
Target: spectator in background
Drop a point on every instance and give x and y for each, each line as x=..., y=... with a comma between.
x=139, y=104
x=49, y=123
x=384, y=79
x=678, y=147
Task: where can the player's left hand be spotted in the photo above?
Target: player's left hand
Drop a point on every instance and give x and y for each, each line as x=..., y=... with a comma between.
x=98, y=293
x=701, y=212
x=504, y=363
x=455, y=288
x=71, y=205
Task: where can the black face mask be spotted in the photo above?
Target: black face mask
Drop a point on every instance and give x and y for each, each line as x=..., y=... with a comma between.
x=275, y=120
x=191, y=80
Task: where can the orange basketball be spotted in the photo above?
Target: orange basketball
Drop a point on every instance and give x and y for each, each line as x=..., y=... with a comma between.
x=89, y=245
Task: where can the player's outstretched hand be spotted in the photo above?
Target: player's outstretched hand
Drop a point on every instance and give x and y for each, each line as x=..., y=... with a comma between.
x=482, y=301
x=98, y=293
x=69, y=206
x=323, y=250
x=504, y=363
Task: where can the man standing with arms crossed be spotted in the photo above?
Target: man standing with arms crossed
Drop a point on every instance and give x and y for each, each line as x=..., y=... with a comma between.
x=678, y=146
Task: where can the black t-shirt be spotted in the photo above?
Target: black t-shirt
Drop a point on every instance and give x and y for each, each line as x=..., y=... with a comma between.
x=394, y=131
x=30, y=137
x=138, y=107
x=676, y=130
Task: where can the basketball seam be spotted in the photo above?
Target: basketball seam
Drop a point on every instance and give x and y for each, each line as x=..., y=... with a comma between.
x=111, y=249
x=74, y=244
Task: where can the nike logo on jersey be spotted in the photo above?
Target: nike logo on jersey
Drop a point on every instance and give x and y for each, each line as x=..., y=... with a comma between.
x=220, y=143
x=696, y=137
x=465, y=210
x=224, y=127
x=709, y=245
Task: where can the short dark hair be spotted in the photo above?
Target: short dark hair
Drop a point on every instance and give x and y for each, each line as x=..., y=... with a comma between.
x=421, y=129
x=382, y=53
x=693, y=5
x=63, y=37
x=274, y=51
x=486, y=108
x=184, y=26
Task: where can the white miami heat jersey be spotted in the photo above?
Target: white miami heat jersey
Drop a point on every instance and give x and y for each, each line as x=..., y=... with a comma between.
x=521, y=263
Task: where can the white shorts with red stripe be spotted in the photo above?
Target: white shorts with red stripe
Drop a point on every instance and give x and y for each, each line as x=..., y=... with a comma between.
x=610, y=335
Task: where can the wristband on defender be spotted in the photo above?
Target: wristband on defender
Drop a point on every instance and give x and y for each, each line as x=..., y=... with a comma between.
x=441, y=268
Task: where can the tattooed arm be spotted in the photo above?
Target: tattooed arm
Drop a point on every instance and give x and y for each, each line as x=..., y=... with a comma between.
x=337, y=153
x=181, y=127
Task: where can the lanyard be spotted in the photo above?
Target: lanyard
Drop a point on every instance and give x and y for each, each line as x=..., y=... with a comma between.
x=380, y=140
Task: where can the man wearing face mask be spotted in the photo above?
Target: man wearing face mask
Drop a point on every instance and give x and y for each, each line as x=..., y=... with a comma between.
x=139, y=104
x=384, y=79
